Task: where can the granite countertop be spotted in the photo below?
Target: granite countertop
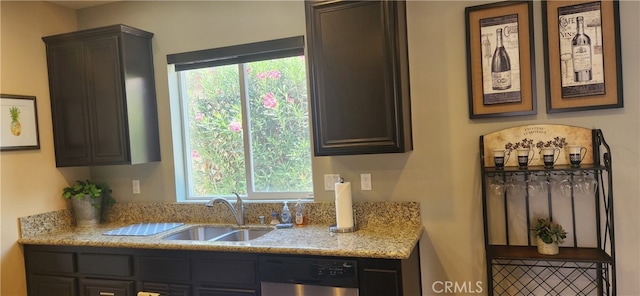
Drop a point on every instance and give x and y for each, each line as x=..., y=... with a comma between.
x=375, y=238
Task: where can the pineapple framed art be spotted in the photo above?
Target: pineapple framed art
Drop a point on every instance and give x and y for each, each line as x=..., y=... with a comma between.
x=18, y=123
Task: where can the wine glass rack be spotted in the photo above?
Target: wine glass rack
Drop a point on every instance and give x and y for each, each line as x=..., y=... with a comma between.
x=586, y=262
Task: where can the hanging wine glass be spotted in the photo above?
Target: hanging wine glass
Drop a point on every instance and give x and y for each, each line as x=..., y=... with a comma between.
x=549, y=183
x=534, y=186
x=588, y=184
x=514, y=186
x=497, y=185
x=568, y=186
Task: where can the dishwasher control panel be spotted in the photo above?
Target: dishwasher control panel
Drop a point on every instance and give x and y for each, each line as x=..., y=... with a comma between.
x=309, y=270
x=333, y=268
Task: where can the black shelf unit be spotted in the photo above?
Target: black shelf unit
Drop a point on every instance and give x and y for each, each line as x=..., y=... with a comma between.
x=586, y=263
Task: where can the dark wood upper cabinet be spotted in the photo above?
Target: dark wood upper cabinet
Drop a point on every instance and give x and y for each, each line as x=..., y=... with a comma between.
x=103, y=97
x=359, y=77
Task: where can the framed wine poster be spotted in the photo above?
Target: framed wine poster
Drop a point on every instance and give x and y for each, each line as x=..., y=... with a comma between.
x=500, y=60
x=582, y=55
x=18, y=123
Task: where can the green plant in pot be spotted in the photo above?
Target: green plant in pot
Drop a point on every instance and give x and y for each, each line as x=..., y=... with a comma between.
x=87, y=201
x=548, y=236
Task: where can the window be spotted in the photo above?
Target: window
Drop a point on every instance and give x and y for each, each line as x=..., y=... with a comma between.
x=245, y=121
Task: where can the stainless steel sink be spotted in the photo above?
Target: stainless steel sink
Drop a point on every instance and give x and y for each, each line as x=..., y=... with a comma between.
x=217, y=233
x=241, y=235
x=202, y=233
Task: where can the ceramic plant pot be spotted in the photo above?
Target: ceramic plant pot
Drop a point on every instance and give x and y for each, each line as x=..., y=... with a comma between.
x=547, y=249
x=84, y=211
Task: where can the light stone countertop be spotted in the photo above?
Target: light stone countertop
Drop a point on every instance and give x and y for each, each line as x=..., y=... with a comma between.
x=378, y=236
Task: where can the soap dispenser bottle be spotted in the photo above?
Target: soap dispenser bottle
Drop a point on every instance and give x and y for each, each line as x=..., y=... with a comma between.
x=299, y=219
x=286, y=214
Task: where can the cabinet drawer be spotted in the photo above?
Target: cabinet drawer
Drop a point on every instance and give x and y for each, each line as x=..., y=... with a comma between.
x=95, y=287
x=164, y=269
x=202, y=291
x=51, y=262
x=105, y=264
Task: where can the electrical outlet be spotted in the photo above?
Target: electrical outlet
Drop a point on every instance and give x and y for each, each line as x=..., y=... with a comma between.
x=330, y=180
x=365, y=181
x=135, y=186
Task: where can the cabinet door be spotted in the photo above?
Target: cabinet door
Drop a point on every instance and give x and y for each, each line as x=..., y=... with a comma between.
x=103, y=96
x=40, y=285
x=379, y=282
x=105, y=100
x=358, y=77
x=68, y=104
x=391, y=277
x=97, y=287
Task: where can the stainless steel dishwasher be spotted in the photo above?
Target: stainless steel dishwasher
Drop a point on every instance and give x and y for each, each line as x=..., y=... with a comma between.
x=306, y=276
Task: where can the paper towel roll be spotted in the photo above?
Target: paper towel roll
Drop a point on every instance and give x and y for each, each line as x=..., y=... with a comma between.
x=344, y=205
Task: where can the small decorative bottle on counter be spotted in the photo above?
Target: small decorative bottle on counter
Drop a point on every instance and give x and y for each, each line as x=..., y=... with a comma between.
x=274, y=218
x=300, y=218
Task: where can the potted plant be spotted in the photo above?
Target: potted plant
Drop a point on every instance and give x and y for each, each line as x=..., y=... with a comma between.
x=87, y=201
x=548, y=235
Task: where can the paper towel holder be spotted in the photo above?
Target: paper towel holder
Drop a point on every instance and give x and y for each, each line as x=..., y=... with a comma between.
x=333, y=228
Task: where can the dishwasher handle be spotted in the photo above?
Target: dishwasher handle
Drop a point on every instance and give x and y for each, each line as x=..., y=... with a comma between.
x=303, y=282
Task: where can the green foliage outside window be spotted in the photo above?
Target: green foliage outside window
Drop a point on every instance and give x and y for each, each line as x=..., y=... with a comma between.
x=278, y=123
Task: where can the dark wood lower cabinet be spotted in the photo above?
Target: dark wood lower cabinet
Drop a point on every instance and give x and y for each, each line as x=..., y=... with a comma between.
x=43, y=285
x=381, y=282
x=385, y=277
x=100, y=287
x=98, y=271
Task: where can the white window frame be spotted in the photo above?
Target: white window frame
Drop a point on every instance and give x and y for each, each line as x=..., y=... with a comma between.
x=179, y=114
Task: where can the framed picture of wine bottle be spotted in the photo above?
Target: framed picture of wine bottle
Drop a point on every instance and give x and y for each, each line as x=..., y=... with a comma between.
x=500, y=60
x=582, y=55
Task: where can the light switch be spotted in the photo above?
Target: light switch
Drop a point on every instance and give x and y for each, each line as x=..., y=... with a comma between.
x=135, y=185
x=330, y=180
x=365, y=181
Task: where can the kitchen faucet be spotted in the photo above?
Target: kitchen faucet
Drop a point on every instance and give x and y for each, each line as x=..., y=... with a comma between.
x=237, y=211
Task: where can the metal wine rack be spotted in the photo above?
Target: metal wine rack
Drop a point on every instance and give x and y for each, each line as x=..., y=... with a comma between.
x=586, y=262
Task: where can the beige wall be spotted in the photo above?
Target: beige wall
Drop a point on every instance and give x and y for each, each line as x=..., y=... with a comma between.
x=30, y=183
x=443, y=170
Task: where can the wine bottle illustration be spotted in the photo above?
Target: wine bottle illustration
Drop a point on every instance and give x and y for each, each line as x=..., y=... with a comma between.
x=581, y=49
x=500, y=65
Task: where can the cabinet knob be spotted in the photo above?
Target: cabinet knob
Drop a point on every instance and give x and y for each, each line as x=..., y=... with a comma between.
x=142, y=293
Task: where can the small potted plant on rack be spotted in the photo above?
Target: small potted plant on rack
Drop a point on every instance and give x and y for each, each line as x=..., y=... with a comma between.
x=87, y=201
x=548, y=236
